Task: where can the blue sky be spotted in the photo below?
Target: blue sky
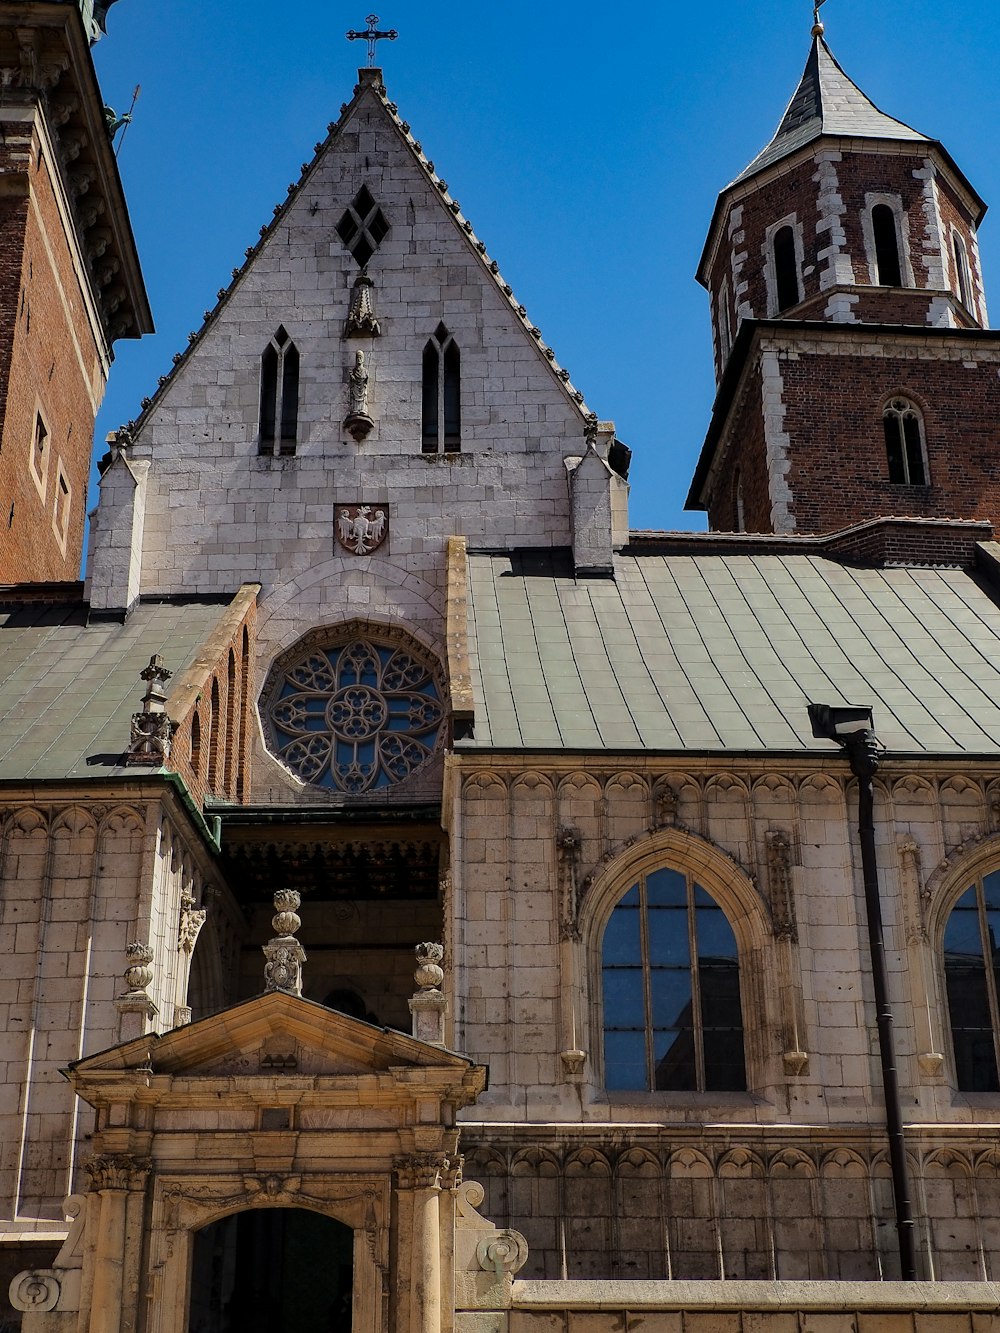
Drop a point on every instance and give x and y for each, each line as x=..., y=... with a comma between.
x=586, y=144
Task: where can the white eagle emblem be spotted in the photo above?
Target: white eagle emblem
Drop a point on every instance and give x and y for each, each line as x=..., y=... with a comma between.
x=360, y=528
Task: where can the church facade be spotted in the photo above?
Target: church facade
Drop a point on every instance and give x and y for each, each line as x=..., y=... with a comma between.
x=428, y=904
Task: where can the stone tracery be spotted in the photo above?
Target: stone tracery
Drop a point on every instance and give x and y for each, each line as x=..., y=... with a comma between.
x=355, y=716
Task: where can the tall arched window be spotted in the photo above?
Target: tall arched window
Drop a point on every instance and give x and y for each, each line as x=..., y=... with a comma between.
x=279, y=395
x=904, y=443
x=889, y=271
x=786, y=268
x=962, y=281
x=442, y=394
x=671, y=989
x=972, y=976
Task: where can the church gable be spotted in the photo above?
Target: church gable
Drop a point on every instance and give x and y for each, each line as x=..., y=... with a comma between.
x=368, y=323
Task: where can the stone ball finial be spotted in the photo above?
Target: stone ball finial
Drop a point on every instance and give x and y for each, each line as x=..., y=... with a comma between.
x=429, y=973
x=286, y=920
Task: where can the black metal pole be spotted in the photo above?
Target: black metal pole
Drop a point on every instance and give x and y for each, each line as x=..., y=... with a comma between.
x=864, y=753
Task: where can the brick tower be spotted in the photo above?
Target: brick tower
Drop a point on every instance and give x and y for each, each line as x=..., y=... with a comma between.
x=857, y=378
x=70, y=283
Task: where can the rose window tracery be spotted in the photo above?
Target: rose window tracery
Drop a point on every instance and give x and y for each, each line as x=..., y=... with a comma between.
x=354, y=717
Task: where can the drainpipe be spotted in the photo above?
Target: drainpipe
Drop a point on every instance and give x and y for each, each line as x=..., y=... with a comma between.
x=864, y=751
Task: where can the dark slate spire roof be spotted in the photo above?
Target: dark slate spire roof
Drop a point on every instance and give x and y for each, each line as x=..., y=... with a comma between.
x=827, y=102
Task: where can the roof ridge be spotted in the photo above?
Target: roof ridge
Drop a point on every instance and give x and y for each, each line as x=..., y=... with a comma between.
x=280, y=210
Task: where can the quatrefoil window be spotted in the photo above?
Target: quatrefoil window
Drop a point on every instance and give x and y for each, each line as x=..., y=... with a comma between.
x=363, y=226
x=355, y=717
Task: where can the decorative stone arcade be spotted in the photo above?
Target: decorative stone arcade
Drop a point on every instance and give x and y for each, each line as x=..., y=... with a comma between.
x=278, y=1102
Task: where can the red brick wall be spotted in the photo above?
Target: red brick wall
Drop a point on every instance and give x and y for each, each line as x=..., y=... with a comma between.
x=230, y=738
x=745, y=467
x=797, y=192
x=50, y=363
x=838, y=471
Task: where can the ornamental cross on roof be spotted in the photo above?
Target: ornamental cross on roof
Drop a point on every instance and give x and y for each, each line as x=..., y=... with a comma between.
x=818, y=28
x=371, y=35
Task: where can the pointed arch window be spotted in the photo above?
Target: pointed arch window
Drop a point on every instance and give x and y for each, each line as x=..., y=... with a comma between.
x=786, y=268
x=972, y=977
x=904, y=443
x=885, y=232
x=279, y=395
x=671, y=990
x=442, y=395
x=962, y=281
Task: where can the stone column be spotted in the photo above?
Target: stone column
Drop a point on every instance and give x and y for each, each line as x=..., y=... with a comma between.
x=113, y=1177
x=420, y=1176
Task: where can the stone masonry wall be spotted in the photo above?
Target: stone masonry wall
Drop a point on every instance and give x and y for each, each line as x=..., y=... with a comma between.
x=540, y=859
x=79, y=880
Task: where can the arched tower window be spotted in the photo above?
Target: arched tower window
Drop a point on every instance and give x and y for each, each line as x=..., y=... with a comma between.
x=888, y=268
x=904, y=443
x=279, y=395
x=962, y=280
x=972, y=977
x=442, y=394
x=724, y=323
x=671, y=987
x=786, y=268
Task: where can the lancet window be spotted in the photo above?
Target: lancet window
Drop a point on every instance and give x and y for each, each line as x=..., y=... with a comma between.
x=904, y=443
x=279, y=395
x=962, y=280
x=888, y=265
x=442, y=394
x=786, y=269
x=671, y=990
x=972, y=977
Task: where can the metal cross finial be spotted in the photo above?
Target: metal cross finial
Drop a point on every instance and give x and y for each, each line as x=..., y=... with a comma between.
x=371, y=35
x=818, y=28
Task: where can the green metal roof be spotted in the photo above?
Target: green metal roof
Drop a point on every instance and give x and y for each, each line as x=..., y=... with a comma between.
x=723, y=653
x=68, y=689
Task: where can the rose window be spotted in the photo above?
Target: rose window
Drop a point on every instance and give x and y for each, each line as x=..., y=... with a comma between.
x=356, y=717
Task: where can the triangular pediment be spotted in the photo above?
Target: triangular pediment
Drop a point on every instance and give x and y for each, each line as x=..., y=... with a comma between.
x=272, y=1034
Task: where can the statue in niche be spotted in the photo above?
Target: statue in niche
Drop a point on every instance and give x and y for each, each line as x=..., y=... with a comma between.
x=358, y=422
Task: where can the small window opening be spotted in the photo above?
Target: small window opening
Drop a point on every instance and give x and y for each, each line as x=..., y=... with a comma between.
x=442, y=394
x=363, y=226
x=786, y=269
x=724, y=324
x=215, y=720
x=904, y=443
x=60, y=516
x=39, y=452
x=962, y=270
x=279, y=395
x=196, y=745
x=887, y=265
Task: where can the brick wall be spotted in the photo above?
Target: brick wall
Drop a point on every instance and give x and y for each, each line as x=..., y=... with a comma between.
x=51, y=368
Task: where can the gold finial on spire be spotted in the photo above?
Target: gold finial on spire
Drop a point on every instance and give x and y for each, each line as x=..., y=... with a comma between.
x=818, y=28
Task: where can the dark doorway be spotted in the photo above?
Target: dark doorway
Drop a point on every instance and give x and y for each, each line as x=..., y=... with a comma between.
x=272, y=1270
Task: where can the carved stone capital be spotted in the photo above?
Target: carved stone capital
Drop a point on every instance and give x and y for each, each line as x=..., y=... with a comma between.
x=422, y=1171
x=117, y=1171
x=573, y=1063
